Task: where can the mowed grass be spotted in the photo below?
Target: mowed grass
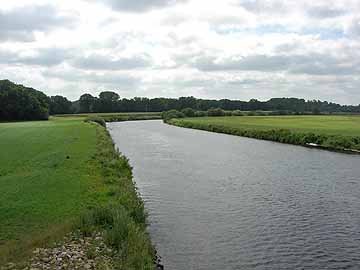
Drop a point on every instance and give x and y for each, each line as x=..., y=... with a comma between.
x=331, y=125
x=47, y=176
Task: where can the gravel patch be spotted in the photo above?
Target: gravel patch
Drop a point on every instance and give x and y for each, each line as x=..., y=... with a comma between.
x=74, y=252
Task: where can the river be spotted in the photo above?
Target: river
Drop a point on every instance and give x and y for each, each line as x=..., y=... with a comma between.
x=217, y=201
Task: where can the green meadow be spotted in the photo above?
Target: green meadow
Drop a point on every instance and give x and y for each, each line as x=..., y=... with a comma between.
x=331, y=125
x=56, y=174
x=338, y=133
x=46, y=175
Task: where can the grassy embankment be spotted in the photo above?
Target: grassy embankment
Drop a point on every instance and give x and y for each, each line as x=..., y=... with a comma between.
x=63, y=174
x=116, y=117
x=329, y=132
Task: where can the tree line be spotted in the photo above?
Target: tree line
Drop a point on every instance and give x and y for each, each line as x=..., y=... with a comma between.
x=18, y=102
x=109, y=102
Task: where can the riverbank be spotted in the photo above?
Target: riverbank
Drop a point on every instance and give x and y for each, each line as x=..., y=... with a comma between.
x=114, y=117
x=330, y=140
x=62, y=176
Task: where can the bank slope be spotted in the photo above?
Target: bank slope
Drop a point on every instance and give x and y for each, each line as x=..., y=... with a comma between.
x=334, y=133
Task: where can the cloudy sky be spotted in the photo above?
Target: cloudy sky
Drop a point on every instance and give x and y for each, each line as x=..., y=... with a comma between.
x=238, y=49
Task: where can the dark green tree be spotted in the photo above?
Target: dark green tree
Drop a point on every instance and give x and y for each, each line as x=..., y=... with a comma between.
x=188, y=112
x=60, y=105
x=86, y=103
x=18, y=102
x=107, y=102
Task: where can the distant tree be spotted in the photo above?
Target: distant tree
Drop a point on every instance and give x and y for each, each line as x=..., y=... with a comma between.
x=107, y=102
x=86, y=103
x=60, y=105
x=18, y=102
x=315, y=111
x=110, y=102
x=254, y=105
x=187, y=102
x=110, y=96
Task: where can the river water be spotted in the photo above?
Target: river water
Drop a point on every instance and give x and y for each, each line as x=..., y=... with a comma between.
x=217, y=201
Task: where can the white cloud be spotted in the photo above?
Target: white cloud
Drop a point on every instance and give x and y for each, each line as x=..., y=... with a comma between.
x=20, y=23
x=353, y=27
x=105, y=62
x=237, y=49
x=41, y=57
x=139, y=5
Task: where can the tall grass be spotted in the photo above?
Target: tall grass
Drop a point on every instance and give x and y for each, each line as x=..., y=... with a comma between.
x=101, y=119
x=123, y=217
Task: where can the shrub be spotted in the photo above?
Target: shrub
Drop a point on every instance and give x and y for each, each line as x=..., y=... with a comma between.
x=340, y=142
x=96, y=119
x=260, y=113
x=201, y=114
x=172, y=114
x=215, y=112
x=188, y=112
x=237, y=113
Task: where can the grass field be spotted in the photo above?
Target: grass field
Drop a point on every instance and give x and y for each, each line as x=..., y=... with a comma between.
x=46, y=175
x=51, y=174
x=333, y=125
x=338, y=133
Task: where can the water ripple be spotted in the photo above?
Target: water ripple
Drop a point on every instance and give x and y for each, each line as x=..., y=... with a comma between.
x=223, y=202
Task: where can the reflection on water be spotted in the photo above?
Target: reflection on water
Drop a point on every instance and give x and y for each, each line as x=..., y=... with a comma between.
x=223, y=202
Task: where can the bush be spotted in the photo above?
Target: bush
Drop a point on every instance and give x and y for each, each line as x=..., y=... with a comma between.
x=339, y=142
x=96, y=119
x=172, y=114
x=215, y=112
x=188, y=112
x=260, y=113
x=237, y=113
x=201, y=114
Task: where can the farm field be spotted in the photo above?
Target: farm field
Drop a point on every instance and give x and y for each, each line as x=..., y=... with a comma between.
x=331, y=125
x=46, y=177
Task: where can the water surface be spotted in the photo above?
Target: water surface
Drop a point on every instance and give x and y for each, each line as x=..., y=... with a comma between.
x=217, y=201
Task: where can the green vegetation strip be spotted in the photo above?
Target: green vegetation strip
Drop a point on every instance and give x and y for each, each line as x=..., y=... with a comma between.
x=64, y=174
x=103, y=118
x=338, y=133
